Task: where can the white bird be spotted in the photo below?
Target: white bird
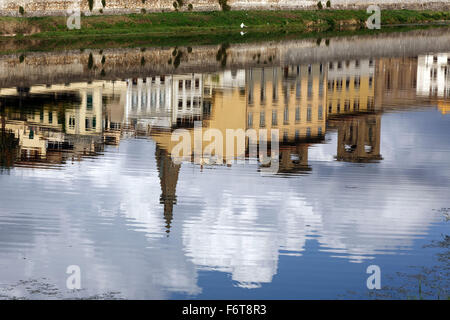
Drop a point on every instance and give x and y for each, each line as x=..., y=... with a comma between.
x=243, y=25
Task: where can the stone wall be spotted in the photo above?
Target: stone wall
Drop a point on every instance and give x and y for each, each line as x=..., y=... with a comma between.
x=60, y=7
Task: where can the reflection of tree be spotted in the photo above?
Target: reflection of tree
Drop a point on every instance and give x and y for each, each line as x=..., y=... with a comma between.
x=8, y=145
x=222, y=54
x=177, y=55
x=90, y=61
x=177, y=59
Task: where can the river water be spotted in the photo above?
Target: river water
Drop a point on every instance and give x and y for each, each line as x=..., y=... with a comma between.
x=88, y=178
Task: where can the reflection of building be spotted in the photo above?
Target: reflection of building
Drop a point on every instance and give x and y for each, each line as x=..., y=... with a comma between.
x=444, y=107
x=290, y=99
x=401, y=82
x=294, y=158
x=61, y=121
x=395, y=82
x=227, y=109
x=433, y=75
x=358, y=138
x=149, y=103
x=31, y=142
x=187, y=93
x=222, y=108
x=114, y=101
x=87, y=118
x=351, y=91
x=350, y=87
x=296, y=108
x=165, y=101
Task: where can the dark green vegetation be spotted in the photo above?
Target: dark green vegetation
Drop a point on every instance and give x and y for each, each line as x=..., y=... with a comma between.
x=175, y=23
x=10, y=45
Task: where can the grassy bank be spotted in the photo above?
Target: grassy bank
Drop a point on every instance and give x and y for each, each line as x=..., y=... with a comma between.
x=207, y=23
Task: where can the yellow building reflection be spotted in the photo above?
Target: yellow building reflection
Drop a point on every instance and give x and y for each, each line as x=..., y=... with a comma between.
x=291, y=99
x=444, y=107
x=396, y=82
x=295, y=100
x=350, y=86
x=60, y=122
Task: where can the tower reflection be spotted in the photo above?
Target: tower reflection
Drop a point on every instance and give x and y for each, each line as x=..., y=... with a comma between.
x=168, y=176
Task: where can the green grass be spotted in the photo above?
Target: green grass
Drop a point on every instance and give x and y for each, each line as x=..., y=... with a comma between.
x=201, y=23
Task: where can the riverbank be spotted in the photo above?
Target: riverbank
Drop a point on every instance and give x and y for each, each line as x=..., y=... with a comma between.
x=170, y=24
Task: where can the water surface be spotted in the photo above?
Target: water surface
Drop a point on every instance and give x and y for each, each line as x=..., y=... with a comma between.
x=87, y=178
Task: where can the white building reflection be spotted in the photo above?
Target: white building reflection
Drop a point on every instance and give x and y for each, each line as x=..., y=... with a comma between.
x=164, y=101
x=433, y=75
